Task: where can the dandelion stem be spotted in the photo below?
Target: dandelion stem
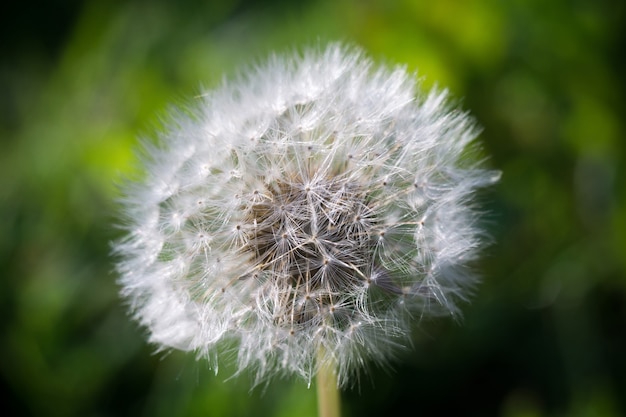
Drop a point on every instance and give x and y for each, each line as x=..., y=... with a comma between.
x=328, y=401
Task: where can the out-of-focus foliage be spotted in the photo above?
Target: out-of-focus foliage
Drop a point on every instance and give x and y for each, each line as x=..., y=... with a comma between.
x=545, y=334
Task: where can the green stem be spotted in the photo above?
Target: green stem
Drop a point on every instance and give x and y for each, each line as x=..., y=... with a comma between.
x=328, y=401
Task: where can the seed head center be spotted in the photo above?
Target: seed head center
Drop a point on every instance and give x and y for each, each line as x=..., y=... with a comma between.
x=312, y=248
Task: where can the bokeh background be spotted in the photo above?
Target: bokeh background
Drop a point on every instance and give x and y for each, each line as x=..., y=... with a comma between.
x=545, y=335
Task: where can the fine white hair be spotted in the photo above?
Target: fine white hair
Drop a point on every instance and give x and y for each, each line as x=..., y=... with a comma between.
x=305, y=212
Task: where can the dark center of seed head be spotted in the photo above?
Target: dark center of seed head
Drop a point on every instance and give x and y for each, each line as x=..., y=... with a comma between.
x=294, y=230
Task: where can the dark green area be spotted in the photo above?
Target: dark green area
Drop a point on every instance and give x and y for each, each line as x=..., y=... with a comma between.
x=545, y=333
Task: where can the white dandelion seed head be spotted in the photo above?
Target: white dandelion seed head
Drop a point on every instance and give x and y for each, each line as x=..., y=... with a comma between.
x=317, y=204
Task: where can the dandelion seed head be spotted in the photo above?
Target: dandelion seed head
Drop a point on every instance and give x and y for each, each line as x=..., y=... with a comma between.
x=317, y=204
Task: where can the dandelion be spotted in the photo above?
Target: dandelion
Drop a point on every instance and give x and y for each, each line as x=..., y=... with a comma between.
x=303, y=216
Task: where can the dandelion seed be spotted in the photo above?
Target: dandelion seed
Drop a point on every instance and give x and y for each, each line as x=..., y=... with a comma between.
x=308, y=211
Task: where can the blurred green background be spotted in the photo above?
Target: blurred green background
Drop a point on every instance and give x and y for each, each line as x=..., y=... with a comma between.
x=545, y=334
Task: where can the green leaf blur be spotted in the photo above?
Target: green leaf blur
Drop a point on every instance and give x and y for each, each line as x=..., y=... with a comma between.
x=545, y=334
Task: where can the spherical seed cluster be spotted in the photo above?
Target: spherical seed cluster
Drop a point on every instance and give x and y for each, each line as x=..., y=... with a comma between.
x=308, y=212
